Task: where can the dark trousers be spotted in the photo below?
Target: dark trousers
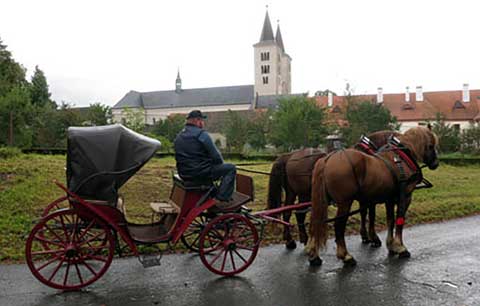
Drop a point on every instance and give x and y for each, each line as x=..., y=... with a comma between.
x=227, y=173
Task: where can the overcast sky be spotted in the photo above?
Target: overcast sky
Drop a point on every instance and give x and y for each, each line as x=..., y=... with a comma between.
x=96, y=51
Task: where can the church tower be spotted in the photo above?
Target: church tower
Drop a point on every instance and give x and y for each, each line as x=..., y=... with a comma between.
x=272, y=63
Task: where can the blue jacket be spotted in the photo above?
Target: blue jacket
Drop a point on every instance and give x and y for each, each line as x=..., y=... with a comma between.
x=195, y=153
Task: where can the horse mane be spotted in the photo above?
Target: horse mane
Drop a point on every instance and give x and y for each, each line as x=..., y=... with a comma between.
x=417, y=139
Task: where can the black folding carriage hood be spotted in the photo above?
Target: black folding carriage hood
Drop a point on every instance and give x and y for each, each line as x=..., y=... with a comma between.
x=101, y=159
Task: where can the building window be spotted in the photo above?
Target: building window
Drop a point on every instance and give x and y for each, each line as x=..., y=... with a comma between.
x=265, y=69
x=456, y=127
x=265, y=56
x=261, y=56
x=124, y=121
x=265, y=80
x=154, y=121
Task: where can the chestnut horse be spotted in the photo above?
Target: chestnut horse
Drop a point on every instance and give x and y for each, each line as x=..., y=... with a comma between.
x=292, y=173
x=390, y=177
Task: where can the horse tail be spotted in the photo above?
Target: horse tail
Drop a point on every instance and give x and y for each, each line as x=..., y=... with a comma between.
x=277, y=182
x=318, y=225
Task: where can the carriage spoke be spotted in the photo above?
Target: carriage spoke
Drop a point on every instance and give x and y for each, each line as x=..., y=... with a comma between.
x=48, y=252
x=91, y=239
x=41, y=239
x=49, y=262
x=86, y=230
x=66, y=274
x=233, y=261
x=56, y=269
x=79, y=274
x=54, y=234
x=240, y=255
x=217, y=256
x=94, y=257
x=224, y=261
x=89, y=268
x=240, y=246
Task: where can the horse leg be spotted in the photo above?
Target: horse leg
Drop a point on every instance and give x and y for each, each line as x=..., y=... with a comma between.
x=287, y=235
x=389, y=206
x=300, y=216
x=375, y=241
x=401, y=250
x=340, y=224
x=363, y=227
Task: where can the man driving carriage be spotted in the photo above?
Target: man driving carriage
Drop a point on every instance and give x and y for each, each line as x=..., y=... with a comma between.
x=198, y=159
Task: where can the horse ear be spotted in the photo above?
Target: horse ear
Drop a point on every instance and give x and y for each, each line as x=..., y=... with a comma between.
x=429, y=126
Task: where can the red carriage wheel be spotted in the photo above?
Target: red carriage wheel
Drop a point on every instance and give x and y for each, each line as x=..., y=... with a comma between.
x=68, y=252
x=228, y=244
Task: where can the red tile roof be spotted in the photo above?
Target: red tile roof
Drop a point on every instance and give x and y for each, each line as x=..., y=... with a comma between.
x=449, y=103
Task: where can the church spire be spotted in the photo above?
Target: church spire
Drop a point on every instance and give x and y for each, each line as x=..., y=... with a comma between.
x=278, y=37
x=178, y=82
x=267, y=32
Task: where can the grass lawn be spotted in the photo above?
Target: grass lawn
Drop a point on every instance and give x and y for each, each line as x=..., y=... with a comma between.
x=26, y=188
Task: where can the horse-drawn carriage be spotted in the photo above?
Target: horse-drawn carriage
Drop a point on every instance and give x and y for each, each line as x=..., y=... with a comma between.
x=75, y=241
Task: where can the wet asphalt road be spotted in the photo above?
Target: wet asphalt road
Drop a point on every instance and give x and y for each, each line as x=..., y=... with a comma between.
x=444, y=270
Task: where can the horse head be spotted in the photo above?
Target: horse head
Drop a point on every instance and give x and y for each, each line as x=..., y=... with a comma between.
x=424, y=144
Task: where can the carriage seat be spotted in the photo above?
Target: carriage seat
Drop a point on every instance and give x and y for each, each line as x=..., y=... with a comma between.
x=185, y=183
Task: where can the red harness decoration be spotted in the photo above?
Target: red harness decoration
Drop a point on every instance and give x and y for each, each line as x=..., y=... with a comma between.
x=366, y=148
x=400, y=221
x=406, y=159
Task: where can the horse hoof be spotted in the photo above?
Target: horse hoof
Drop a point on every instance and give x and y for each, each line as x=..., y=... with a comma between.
x=350, y=262
x=391, y=253
x=404, y=254
x=317, y=261
x=291, y=245
x=375, y=244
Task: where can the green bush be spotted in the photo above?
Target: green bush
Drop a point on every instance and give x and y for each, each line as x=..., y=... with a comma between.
x=9, y=152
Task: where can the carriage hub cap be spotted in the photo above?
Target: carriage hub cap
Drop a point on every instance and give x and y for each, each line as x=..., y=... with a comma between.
x=70, y=251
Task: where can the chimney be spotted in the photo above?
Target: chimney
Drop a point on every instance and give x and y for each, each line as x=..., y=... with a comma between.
x=380, y=95
x=419, y=95
x=407, y=94
x=330, y=99
x=466, y=93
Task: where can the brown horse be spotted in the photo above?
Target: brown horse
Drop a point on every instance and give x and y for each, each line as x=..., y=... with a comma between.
x=350, y=175
x=292, y=173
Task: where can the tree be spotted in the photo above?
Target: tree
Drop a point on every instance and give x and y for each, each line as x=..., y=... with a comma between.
x=257, y=129
x=98, y=114
x=134, y=119
x=448, y=136
x=170, y=126
x=11, y=73
x=15, y=115
x=470, y=139
x=39, y=89
x=366, y=117
x=235, y=131
x=297, y=123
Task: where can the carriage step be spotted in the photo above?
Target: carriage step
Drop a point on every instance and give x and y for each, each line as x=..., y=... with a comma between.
x=148, y=261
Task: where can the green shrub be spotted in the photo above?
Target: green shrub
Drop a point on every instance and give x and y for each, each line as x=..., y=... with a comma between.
x=9, y=152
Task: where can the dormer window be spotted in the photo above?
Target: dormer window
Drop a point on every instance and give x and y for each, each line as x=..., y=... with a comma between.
x=458, y=105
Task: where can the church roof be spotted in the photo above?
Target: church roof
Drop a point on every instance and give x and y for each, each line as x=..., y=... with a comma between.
x=267, y=31
x=213, y=96
x=278, y=39
x=271, y=101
